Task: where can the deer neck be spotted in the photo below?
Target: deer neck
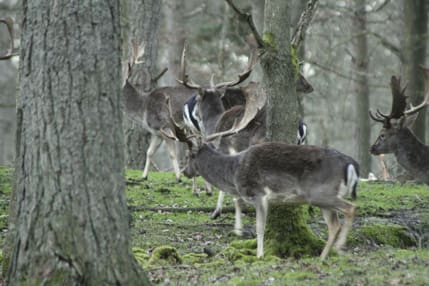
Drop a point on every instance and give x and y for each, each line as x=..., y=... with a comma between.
x=217, y=168
x=413, y=155
x=134, y=101
x=210, y=115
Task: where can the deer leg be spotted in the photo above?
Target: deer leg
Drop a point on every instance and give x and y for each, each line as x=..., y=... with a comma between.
x=209, y=188
x=261, y=219
x=155, y=141
x=331, y=219
x=349, y=213
x=216, y=213
x=171, y=147
x=194, y=186
x=238, y=225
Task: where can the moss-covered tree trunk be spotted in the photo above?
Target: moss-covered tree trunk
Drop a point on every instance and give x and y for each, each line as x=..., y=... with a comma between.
x=286, y=232
x=143, y=26
x=70, y=214
x=414, y=54
x=360, y=64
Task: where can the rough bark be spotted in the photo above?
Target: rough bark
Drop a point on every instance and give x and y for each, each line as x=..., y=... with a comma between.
x=284, y=223
x=143, y=18
x=414, y=51
x=360, y=62
x=71, y=213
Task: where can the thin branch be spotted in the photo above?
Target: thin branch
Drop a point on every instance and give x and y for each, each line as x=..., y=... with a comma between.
x=388, y=45
x=249, y=19
x=304, y=21
x=196, y=11
x=185, y=210
x=341, y=74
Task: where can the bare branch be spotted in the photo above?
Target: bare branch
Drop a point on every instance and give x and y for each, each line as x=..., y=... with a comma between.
x=246, y=17
x=388, y=45
x=304, y=21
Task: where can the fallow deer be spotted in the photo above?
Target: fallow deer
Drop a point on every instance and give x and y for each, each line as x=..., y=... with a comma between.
x=150, y=111
x=292, y=174
x=396, y=137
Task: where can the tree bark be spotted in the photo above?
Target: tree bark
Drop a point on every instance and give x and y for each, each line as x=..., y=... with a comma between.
x=71, y=213
x=143, y=18
x=286, y=232
x=360, y=62
x=414, y=51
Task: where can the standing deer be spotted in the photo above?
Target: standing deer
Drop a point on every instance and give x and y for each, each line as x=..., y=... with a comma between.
x=396, y=137
x=206, y=113
x=151, y=112
x=292, y=174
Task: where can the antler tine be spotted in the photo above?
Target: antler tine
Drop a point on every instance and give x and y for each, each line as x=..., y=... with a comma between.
x=255, y=100
x=185, y=77
x=9, y=23
x=253, y=60
x=375, y=118
x=425, y=102
x=399, y=100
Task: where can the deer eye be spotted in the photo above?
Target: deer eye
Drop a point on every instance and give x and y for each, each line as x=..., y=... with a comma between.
x=382, y=136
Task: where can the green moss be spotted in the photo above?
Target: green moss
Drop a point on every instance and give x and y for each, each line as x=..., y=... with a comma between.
x=287, y=233
x=393, y=235
x=295, y=60
x=140, y=255
x=269, y=40
x=165, y=255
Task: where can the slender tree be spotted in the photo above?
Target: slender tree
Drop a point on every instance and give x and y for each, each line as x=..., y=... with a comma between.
x=414, y=55
x=142, y=18
x=70, y=209
x=360, y=63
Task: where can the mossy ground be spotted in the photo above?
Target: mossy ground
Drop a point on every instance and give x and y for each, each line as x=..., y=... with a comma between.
x=389, y=243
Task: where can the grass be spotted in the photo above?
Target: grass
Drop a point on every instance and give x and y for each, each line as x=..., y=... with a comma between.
x=178, y=244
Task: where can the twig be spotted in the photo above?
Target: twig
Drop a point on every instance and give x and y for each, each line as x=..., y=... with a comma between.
x=249, y=19
x=304, y=21
x=184, y=210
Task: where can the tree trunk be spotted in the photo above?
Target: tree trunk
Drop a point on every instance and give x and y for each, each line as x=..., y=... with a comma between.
x=360, y=62
x=286, y=232
x=143, y=17
x=71, y=213
x=414, y=51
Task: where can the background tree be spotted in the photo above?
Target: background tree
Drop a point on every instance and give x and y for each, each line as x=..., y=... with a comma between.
x=414, y=53
x=70, y=209
x=360, y=65
x=141, y=23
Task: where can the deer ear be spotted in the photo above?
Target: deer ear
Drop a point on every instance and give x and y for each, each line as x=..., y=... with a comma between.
x=408, y=121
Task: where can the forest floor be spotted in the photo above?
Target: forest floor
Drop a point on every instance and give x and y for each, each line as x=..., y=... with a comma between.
x=178, y=244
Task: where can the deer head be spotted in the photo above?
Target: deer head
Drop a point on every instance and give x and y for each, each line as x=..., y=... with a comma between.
x=400, y=119
x=9, y=23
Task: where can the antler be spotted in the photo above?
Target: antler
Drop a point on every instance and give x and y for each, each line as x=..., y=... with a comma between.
x=185, y=77
x=241, y=77
x=244, y=75
x=425, y=102
x=399, y=103
x=9, y=23
x=255, y=101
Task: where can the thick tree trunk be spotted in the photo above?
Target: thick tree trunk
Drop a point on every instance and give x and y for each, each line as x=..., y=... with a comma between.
x=284, y=223
x=143, y=19
x=414, y=51
x=71, y=214
x=360, y=62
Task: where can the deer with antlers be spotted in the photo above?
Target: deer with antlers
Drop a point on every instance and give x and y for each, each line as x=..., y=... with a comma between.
x=292, y=174
x=396, y=137
x=207, y=113
x=151, y=112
